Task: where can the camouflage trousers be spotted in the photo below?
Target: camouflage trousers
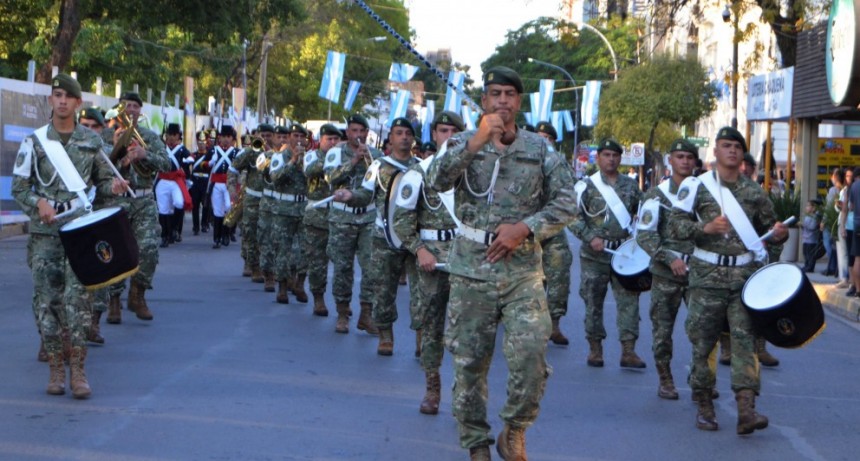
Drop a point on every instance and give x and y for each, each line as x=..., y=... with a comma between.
x=475, y=310
x=666, y=297
x=427, y=309
x=315, y=240
x=709, y=309
x=143, y=214
x=265, y=241
x=299, y=262
x=557, y=260
x=594, y=281
x=284, y=232
x=344, y=242
x=384, y=274
x=250, y=217
x=60, y=302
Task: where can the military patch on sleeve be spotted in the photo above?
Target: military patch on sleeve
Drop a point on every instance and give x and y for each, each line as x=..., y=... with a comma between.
x=410, y=184
x=686, y=194
x=277, y=163
x=332, y=158
x=369, y=182
x=406, y=192
x=649, y=215
x=24, y=160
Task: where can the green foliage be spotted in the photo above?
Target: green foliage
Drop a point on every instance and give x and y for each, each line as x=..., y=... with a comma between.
x=785, y=204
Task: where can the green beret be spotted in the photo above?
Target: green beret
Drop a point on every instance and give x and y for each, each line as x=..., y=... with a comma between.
x=610, y=144
x=428, y=146
x=684, y=145
x=296, y=128
x=448, y=118
x=404, y=122
x=546, y=127
x=501, y=75
x=529, y=127
x=728, y=132
x=281, y=129
x=749, y=159
x=93, y=114
x=359, y=119
x=132, y=96
x=265, y=128
x=329, y=130
x=66, y=82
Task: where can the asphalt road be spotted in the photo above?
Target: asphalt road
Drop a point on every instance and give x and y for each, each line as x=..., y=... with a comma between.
x=225, y=373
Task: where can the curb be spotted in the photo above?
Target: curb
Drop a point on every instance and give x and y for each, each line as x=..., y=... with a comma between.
x=13, y=229
x=834, y=300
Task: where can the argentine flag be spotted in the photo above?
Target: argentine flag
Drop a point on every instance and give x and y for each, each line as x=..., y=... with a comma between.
x=332, y=76
x=351, y=93
x=590, y=101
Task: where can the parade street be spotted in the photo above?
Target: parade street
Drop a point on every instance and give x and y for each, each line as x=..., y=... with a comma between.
x=225, y=373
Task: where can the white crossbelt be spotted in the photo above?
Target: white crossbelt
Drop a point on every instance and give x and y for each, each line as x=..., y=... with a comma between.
x=353, y=210
x=477, y=235
x=441, y=235
x=723, y=260
x=253, y=193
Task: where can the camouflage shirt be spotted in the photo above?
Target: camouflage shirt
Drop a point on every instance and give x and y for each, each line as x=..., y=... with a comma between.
x=530, y=186
x=246, y=161
x=374, y=188
x=340, y=173
x=595, y=220
x=653, y=234
x=318, y=189
x=288, y=178
x=142, y=174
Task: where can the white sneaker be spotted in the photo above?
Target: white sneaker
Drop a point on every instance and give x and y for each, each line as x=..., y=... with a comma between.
x=842, y=284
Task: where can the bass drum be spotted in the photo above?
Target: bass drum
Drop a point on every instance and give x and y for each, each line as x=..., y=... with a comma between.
x=630, y=266
x=783, y=306
x=101, y=247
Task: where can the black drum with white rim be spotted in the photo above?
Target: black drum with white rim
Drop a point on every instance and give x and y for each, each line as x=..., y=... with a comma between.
x=783, y=305
x=630, y=266
x=101, y=248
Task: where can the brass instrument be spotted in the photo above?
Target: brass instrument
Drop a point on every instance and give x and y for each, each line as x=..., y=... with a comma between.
x=235, y=213
x=258, y=144
x=128, y=124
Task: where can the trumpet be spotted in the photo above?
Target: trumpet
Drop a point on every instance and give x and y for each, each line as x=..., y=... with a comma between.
x=258, y=144
x=129, y=124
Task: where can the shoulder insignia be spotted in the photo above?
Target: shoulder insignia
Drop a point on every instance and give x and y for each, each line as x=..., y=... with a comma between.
x=333, y=158
x=277, y=163
x=24, y=160
x=410, y=184
x=686, y=194
x=369, y=182
x=649, y=215
x=310, y=158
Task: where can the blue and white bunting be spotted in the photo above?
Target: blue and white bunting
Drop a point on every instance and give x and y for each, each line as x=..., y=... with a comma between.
x=429, y=115
x=568, y=121
x=545, y=99
x=590, y=101
x=401, y=73
x=469, y=117
x=399, y=104
x=351, y=93
x=534, y=100
x=453, y=98
x=332, y=76
x=530, y=118
x=557, y=122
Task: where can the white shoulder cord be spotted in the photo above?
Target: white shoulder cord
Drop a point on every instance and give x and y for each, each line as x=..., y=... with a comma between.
x=489, y=192
x=39, y=175
x=426, y=202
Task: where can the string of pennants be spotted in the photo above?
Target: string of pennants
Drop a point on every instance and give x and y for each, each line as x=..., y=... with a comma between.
x=541, y=102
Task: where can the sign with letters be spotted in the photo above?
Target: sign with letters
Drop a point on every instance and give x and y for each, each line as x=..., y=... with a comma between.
x=769, y=95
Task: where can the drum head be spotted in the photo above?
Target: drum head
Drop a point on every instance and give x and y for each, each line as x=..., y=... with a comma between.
x=89, y=218
x=630, y=259
x=772, y=286
x=388, y=217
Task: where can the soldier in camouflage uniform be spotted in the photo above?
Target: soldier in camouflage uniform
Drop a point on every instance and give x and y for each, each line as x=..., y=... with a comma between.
x=139, y=167
x=315, y=221
x=668, y=261
x=509, y=195
x=720, y=265
x=288, y=191
x=426, y=228
x=265, y=239
x=350, y=228
x=599, y=227
x=298, y=263
x=60, y=302
x=557, y=259
x=388, y=263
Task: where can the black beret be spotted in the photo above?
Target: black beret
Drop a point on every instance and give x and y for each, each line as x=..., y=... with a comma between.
x=359, y=119
x=684, y=145
x=448, y=118
x=428, y=146
x=173, y=128
x=529, y=127
x=132, y=96
x=329, y=130
x=93, y=114
x=546, y=127
x=502, y=75
x=296, y=128
x=610, y=144
x=728, y=132
x=281, y=129
x=66, y=82
x=265, y=128
x=404, y=122
x=749, y=159
x=227, y=130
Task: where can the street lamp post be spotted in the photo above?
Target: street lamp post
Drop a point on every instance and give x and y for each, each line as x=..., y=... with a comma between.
x=728, y=16
x=575, y=93
x=608, y=45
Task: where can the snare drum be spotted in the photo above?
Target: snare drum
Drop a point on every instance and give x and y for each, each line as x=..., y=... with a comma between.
x=630, y=266
x=783, y=306
x=101, y=247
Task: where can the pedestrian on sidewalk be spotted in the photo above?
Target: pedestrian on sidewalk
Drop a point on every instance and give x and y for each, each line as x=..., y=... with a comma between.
x=811, y=234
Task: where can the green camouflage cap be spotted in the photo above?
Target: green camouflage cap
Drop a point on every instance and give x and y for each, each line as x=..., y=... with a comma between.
x=448, y=118
x=684, y=145
x=66, y=82
x=501, y=75
x=733, y=134
x=93, y=114
x=610, y=144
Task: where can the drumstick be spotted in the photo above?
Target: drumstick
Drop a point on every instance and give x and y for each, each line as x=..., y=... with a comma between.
x=320, y=203
x=117, y=173
x=617, y=253
x=787, y=222
x=720, y=186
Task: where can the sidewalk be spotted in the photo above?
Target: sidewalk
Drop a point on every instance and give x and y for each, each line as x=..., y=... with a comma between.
x=833, y=298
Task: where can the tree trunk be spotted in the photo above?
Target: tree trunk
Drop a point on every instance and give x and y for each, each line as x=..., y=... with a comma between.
x=64, y=40
x=656, y=160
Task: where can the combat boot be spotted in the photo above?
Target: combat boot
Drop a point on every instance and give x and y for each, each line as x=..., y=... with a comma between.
x=257, y=275
x=764, y=357
x=342, y=324
x=386, y=342
x=481, y=453
x=512, y=444
x=94, y=335
x=269, y=282
x=42, y=355
x=282, y=296
x=137, y=301
x=748, y=419
x=629, y=359
x=320, y=308
x=78, y=380
x=418, y=343
x=246, y=270
x=706, y=418
x=595, y=353
x=430, y=403
x=557, y=337
x=365, y=320
x=666, y=390
x=57, y=382
x=298, y=288
x=715, y=394
x=725, y=349
x=114, y=316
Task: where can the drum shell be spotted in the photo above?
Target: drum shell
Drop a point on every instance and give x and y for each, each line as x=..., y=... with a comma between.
x=792, y=323
x=638, y=281
x=103, y=252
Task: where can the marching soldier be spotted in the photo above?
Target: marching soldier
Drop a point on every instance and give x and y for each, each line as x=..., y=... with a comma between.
x=246, y=162
x=275, y=138
x=668, y=261
x=220, y=159
x=199, y=183
x=171, y=191
x=388, y=263
x=350, y=227
x=299, y=139
x=608, y=201
x=723, y=212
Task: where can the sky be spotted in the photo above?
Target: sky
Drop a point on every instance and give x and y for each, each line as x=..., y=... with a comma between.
x=471, y=28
